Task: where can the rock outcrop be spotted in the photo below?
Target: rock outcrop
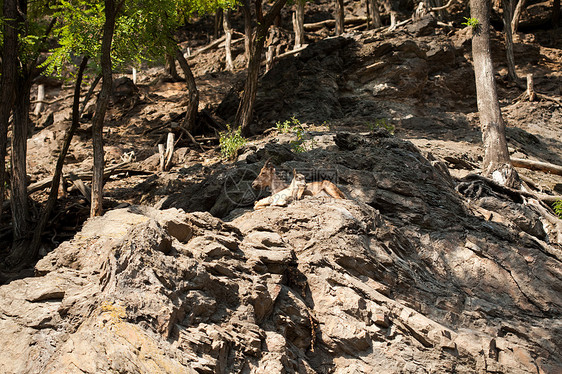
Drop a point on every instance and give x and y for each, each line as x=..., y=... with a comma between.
x=407, y=275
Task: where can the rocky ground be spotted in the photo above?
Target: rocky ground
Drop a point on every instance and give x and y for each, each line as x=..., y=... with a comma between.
x=424, y=268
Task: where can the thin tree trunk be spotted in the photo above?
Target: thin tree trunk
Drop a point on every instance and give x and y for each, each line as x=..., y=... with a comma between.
x=245, y=109
x=298, y=23
x=96, y=208
x=246, y=9
x=228, y=41
x=517, y=16
x=340, y=21
x=171, y=67
x=7, y=84
x=496, y=158
x=193, y=105
x=508, y=36
x=53, y=194
x=373, y=14
x=218, y=23
x=90, y=93
x=19, y=197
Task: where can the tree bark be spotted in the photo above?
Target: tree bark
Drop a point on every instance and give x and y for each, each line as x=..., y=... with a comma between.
x=340, y=20
x=171, y=67
x=507, y=6
x=96, y=208
x=228, y=41
x=189, y=121
x=218, y=23
x=53, y=194
x=247, y=10
x=244, y=113
x=7, y=84
x=555, y=13
x=19, y=198
x=517, y=16
x=298, y=23
x=373, y=14
x=496, y=158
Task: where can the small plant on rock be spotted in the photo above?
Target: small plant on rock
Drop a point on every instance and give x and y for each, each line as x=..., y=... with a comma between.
x=230, y=142
x=472, y=22
x=295, y=127
x=381, y=123
x=558, y=208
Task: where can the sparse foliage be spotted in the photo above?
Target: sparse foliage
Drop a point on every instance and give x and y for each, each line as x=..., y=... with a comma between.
x=558, y=208
x=231, y=141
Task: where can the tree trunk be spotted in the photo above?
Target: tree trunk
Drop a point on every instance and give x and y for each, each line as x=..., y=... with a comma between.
x=193, y=105
x=53, y=194
x=373, y=14
x=517, y=16
x=507, y=19
x=7, y=84
x=496, y=158
x=246, y=9
x=340, y=23
x=20, y=206
x=218, y=23
x=171, y=67
x=96, y=208
x=556, y=13
x=298, y=23
x=245, y=109
x=228, y=41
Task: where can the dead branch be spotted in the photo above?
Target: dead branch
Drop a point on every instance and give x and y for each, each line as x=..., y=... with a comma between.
x=87, y=175
x=192, y=138
x=52, y=101
x=292, y=52
x=332, y=23
x=209, y=46
x=545, y=167
x=79, y=184
x=436, y=9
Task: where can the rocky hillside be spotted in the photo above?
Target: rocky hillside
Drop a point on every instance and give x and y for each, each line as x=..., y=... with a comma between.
x=407, y=275
x=426, y=267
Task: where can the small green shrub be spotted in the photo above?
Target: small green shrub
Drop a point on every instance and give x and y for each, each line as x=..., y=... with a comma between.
x=295, y=127
x=381, y=123
x=472, y=22
x=230, y=142
x=558, y=208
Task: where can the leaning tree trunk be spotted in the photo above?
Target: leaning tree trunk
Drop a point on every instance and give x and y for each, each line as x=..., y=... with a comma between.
x=298, y=23
x=228, y=40
x=517, y=16
x=7, y=84
x=101, y=108
x=340, y=20
x=53, y=194
x=507, y=19
x=193, y=104
x=374, y=15
x=496, y=158
x=245, y=109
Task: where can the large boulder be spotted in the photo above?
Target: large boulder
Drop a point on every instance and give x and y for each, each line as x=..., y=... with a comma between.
x=407, y=275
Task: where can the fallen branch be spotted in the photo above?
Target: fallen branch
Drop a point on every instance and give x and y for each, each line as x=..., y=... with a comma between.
x=212, y=45
x=79, y=184
x=294, y=51
x=537, y=165
x=115, y=169
x=331, y=23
